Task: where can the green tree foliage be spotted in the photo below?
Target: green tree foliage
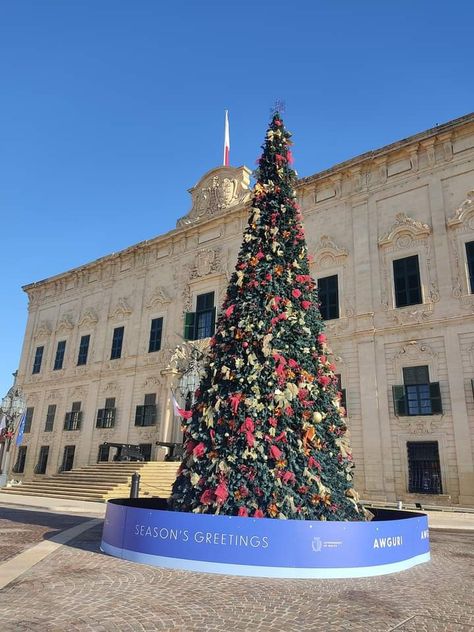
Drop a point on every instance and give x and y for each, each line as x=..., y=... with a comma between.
x=267, y=432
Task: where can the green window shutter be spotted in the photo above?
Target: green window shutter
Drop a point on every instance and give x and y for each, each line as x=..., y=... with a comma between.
x=435, y=395
x=189, y=320
x=399, y=400
x=139, y=415
x=100, y=418
x=151, y=416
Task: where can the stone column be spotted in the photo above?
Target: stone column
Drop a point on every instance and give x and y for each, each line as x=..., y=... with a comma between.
x=167, y=430
x=371, y=436
x=462, y=441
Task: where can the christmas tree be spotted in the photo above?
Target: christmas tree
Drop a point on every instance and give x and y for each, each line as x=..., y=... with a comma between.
x=266, y=435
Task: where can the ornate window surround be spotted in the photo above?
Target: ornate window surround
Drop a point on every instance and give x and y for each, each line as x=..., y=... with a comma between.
x=461, y=230
x=408, y=237
x=330, y=259
x=416, y=353
x=207, y=273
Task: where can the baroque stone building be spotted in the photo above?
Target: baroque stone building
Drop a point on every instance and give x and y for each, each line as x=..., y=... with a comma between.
x=391, y=233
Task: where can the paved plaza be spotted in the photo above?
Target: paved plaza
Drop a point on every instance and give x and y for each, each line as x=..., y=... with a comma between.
x=74, y=587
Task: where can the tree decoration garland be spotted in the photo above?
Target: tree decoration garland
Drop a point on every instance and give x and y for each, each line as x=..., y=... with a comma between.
x=267, y=433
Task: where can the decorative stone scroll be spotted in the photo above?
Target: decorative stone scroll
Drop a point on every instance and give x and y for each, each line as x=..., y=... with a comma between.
x=89, y=318
x=463, y=217
x=459, y=226
x=218, y=190
x=121, y=310
x=422, y=425
x=413, y=353
x=43, y=330
x=158, y=297
x=65, y=323
x=206, y=262
x=328, y=253
x=404, y=231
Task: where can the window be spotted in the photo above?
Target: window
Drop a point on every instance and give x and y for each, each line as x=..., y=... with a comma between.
x=155, y=335
x=42, y=460
x=50, y=415
x=406, y=278
x=201, y=323
x=328, y=294
x=145, y=415
x=417, y=395
x=19, y=466
x=28, y=419
x=58, y=361
x=68, y=458
x=106, y=415
x=424, y=471
x=342, y=391
x=38, y=360
x=117, y=342
x=73, y=418
x=104, y=451
x=83, y=350
x=470, y=264
x=145, y=449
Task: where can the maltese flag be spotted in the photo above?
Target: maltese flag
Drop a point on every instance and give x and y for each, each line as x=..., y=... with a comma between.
x=226, y=140
x=180, y=412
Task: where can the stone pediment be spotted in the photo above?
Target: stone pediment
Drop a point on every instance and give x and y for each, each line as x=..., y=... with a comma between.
x=404, y=229
x=120, y=310
x=88, y=319
x=158, y=297
x=220, y=189
x=65, y=323
x=43, y=329
x=463, y=215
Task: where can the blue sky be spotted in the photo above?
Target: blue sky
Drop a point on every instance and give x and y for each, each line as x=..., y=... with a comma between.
x=111, y=109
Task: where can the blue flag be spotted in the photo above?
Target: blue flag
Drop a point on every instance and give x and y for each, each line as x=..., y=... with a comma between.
x=21, y=428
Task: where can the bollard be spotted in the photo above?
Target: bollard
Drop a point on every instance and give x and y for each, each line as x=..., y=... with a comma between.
x=399, y=504
x=135, y=485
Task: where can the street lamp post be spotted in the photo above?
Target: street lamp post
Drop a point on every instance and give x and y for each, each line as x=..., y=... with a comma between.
x=12, y=407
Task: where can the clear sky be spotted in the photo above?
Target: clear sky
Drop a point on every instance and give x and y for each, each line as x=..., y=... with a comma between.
x=111, y=109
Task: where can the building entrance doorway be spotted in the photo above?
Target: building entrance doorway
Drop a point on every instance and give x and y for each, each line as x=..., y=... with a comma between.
x=68, y=458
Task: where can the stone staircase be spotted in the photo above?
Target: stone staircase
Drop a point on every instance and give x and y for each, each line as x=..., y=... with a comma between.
x=98, y=483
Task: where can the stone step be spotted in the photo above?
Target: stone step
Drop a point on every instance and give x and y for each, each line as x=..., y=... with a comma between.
x=101, y=481
x=85, y=495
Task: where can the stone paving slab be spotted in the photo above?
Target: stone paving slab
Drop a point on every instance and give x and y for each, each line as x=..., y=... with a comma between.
x=19, y=529
x=428, y=624
x=47, y=503
x=79, y=589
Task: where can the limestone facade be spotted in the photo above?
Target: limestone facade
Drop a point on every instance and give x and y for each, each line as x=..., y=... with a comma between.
x=414, y=197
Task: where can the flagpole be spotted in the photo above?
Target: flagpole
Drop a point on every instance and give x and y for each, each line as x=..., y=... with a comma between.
x=226, y=160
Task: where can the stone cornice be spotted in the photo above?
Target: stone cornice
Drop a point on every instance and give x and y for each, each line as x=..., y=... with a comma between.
x=441, y=132
x=173, y=243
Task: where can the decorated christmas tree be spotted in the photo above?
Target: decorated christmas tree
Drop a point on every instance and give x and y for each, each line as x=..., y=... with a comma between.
x=267, y=433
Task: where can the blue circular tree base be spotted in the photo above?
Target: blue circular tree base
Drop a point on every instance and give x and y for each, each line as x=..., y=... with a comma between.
x=143, y=530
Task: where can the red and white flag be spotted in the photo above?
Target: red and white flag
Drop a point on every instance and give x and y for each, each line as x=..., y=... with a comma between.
x=180, y=412
x=226, y=141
